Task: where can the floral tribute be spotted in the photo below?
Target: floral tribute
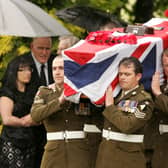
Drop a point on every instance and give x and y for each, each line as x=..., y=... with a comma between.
x=108, y=38
x=166, y=13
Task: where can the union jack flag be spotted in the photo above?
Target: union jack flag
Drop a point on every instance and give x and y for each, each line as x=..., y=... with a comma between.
x=90, y=68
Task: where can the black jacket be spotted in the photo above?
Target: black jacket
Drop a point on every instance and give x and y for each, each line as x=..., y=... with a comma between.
x=35, y=79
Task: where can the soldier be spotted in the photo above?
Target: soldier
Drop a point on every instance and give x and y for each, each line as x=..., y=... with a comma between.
x=161, y=104
x=125, y=118
x=68, y=146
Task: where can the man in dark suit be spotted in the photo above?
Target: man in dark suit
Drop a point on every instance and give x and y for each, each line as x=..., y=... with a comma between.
x=40, y=57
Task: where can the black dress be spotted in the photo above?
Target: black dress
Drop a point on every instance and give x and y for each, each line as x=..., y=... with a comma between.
x=17, y=148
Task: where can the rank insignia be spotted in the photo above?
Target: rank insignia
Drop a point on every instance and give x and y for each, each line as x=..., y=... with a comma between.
x=139, y=114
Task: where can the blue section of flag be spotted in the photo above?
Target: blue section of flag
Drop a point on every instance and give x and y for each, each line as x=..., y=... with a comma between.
x=83, y=75
x=149, y=67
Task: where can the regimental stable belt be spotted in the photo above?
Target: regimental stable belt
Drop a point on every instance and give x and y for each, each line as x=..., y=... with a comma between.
x=65, y=135
x=117, y=136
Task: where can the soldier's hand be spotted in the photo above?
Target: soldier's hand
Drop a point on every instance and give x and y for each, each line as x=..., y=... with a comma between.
x=61, y=98
x=109, y=100
x=155, y=85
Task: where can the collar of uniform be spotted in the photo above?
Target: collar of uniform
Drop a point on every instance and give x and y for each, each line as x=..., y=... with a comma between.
x=128, y=91
x=58, y=87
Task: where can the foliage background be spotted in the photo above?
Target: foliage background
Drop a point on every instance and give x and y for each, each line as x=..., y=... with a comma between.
x=130, y=11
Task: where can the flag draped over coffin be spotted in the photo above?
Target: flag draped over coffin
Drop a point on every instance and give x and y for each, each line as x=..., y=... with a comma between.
x=90, y=68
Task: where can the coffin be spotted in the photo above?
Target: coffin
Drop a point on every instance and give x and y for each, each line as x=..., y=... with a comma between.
x=92, y=64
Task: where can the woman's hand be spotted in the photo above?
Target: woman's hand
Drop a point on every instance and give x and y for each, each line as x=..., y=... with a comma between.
x=27, y=121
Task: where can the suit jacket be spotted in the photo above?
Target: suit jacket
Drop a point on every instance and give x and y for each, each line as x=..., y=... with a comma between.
x=35, y=79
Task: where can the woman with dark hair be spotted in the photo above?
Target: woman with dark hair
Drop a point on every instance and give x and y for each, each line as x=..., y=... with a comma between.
x=16, y=141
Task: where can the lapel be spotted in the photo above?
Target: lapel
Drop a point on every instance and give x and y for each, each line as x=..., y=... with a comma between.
x=35, y=75
x=50, y=77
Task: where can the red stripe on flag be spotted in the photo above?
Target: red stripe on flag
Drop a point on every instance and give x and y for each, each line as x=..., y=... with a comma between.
x=113, y=84
x=100, y=101
x=140, y=49
x=68, y=91
x=85, y=52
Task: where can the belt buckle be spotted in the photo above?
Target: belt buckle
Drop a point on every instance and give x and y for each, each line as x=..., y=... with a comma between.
x=65, y=136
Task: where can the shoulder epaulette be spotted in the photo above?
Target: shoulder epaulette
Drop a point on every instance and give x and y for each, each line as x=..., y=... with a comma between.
x=146, y=94
x=44, y=88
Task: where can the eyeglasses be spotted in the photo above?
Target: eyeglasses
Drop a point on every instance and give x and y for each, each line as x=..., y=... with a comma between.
x=25, y=69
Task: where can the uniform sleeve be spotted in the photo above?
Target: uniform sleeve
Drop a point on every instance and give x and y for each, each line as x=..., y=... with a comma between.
x=161, y=103
x=44, y=107
x=129, y=122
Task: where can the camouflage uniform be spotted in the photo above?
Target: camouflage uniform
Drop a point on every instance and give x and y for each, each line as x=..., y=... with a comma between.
x=128, y=115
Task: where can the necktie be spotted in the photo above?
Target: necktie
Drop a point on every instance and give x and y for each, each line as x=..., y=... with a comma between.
x=43, y=81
